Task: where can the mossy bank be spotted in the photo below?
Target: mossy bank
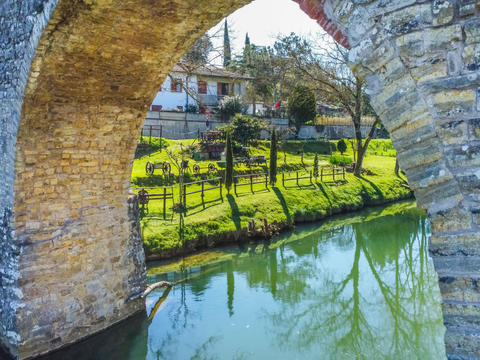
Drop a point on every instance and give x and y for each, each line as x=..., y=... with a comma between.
x=217, y=221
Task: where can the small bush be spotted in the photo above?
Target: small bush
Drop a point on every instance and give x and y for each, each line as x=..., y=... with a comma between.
x=191, y=108
x=231, y=105
x=341, y=146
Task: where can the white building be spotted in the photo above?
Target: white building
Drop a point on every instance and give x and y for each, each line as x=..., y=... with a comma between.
x=208, y=84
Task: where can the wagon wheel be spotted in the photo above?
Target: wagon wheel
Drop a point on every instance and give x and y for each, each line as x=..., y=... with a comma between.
x=196, y=169
x=212, y=167
x=166, y=167
x=149, y=168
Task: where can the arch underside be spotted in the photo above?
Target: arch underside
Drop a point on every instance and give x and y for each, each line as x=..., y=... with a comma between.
x=72, y=261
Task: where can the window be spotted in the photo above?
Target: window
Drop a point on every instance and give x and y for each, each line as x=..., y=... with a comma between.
x=222, y=88
x=202, y=87
x=176, y=85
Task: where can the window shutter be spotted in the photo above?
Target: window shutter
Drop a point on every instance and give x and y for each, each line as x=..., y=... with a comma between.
x=202, y=87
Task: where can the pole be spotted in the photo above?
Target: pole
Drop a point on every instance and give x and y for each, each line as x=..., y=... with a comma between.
x=150, y=135
x=310, y=176
x=221, y=197
x=251, y=183
x=333, y=174
x=185, y=195
x=164, y=202
x=343, y=173
x=266, y=181
x=321, y=175
x=297, y=178
x=202, y=190
x=283, y=179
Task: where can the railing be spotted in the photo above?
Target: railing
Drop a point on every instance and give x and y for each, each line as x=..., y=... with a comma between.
x=251, y=178
x=296, y=178
x=151, y=128
x=335, y=171
x=144, y=197
x=202, y=190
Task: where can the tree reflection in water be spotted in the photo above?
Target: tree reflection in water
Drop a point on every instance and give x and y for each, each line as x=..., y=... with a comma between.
x=379, y=309
x=359, y=291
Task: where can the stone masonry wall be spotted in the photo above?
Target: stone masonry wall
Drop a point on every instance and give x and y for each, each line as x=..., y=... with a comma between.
x=97, y=67
x=421, y=60
x=21, y=25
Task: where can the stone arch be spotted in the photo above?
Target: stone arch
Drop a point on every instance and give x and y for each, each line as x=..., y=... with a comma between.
x=79, y=77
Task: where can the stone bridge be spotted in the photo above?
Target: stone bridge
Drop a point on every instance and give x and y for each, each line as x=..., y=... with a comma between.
x=76, y=80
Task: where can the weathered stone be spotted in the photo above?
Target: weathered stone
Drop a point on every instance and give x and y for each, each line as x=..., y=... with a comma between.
x=407, y=20
x=459, y=244
x=453, y=132
x=454, y=102
x=463, y=155
x=443, y=11
x=429, y=175
x=472, y=32
x=420, y=154
x=471, y=57
x=451, y=220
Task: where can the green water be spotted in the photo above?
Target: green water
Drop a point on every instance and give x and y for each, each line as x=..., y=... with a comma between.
x=357, y=287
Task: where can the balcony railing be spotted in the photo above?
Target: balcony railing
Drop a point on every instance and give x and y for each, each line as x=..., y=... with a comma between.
x=211, y=100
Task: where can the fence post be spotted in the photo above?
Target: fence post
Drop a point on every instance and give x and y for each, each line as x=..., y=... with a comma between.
x=164, y=202
x=283, y=179
x=343, y=173
x=310, y=176
x=150, y=135
x=185, y=195
x=266, y=181
x=251, y=183
x=321, y=175
x=235, y=186
x=203, y=190
x=333, y=174
x=221, y=196
x=297, y=178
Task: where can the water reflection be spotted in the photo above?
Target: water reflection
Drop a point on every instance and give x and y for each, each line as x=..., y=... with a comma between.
x=365, y=290
x=350, y=290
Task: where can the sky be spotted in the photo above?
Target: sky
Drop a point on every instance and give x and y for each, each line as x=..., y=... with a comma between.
x=264, y=20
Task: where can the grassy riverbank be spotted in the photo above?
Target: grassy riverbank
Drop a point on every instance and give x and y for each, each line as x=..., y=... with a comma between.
x=217, y=221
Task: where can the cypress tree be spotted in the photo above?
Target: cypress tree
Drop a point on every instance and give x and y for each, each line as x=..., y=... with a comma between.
x=227, y=52
x=273, y=158
x=315, y=166
x=229, y=166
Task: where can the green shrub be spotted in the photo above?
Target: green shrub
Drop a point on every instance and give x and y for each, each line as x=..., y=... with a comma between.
x=341, y=146
x=301, y=105
x=245, y=128
x=231, y=105
x=336, y=160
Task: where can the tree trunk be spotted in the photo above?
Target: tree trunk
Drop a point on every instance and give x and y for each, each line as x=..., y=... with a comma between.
x=397, y=168
x=360, y=152
x=362, y=148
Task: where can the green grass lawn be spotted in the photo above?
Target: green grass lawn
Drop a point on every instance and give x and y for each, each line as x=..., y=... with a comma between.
x=218, y=220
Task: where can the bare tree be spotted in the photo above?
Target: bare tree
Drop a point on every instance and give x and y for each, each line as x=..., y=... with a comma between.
x=323, y=68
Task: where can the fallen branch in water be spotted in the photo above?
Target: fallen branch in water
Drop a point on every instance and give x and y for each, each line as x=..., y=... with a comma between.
x=157, y=285
x=149, y=289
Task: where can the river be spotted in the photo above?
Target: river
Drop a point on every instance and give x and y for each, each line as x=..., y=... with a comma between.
x=360, y=286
